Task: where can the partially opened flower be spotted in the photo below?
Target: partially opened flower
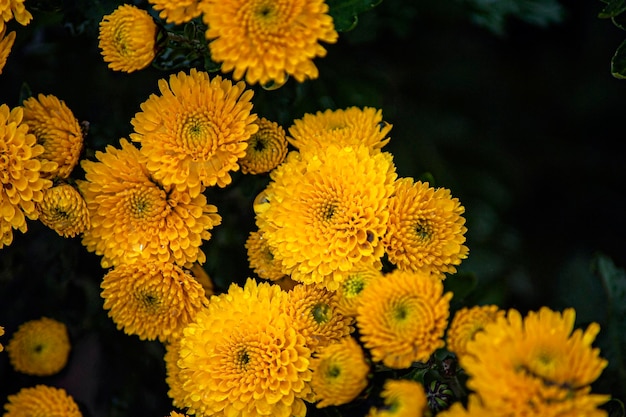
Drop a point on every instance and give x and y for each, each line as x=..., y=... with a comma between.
x=64, y=210
x=261, y=259
x=6, y=43
x=176, y=11
x=402, y=318
x=466, y=323
x=41, y=400
x=56, y=128
x=402, y=398
x=266, y=149
x=133, y=217
x=195, y=132
x=127, y=38
x=351, y=289
x=39, y=347
x=14, y=9
x=426, y=229
x=152, y=300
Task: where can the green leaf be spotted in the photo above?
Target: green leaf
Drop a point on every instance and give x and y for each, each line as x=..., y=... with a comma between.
x=345, y=12
x=618, y=62
x=613, y=8
x=460, y=284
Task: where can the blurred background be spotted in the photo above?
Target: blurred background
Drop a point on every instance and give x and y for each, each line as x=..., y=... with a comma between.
x=510, y=104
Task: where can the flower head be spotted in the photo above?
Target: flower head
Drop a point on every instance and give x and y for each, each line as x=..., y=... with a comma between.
x=6, y=43
x=402, y=318
x=339, y=373
x=268, y=40
x=426, y=229
x=21, y=182
x=14, y=9
x=64, y=210
x=127, y=38
x=196, y=131
x=535, y=365
x=241, y=356
x=41, y=400
x=402, y=398
x=351, y=289
x=39, y=347
x=261, y=259
x=57, y=130
x=266, y=149
x=466, y=323
x=325, y=215
x=152, y=300
x=134, y=217
x=176, y=11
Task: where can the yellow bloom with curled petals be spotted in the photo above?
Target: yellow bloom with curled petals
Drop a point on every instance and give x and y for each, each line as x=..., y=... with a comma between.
x=41, y=400
x=261, y=259
x=13, y=9
x=127, y=38
x=134, y=217
x=196, y=131
x=57, y=130
x=268, y=40
x=176, y=11
x=402, y=398
x=466, y=323
x=266, y=149
x=6, y=43
x=64, y=210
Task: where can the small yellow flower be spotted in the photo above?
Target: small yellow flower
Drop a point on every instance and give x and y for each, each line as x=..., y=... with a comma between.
x=6, y=43
x=268, y=40
x=127, y=38
x=266, y=149
x=466, y=323
x=13, y=9
x=41, y=400
x=351, y=289
x=176, y=11
x=262, y=262
x=39, y=347
x=402, y=398
x=64, y=210
x=339, y=373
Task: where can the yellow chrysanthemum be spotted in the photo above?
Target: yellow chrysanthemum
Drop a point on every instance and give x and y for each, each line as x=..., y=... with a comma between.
x=268, y=40
x=466, y=323
x=21, y=183
x=426, y=229
x=64, y=210
x=57, y=130
x=176, y=11
x=39, y=347
x=6, y=43
x=402, y=398
x=313, y=311
x=536, y=365
x=262, y=262
x=172, y=373
x=350, y=291
x=266, y=149
x=344, y=127
x=133, y=217
x=41, y=400
x=402, y=318
x=13, y=9
x=127, y=38
x=152, y=300
x=241, y=356
x=196, y=131
x=325, y=215
x=339, y=373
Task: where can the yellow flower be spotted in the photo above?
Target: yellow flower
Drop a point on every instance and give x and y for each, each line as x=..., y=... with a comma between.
x=339, y=373
x=242, y=357
x=536, y=365
x=351, y=289
x=313, y=312
x=39, y=347
x=10, y=9
x=41, y=400
x=266, y=149
x=326, y=215
x=152, y=300
x=262, y=262
x=426, y=229
x=133, y=217
x=402, y=318
x=466, y=323
x=344, y=127
x=195, y=132
x=127, y=38
x=176, y=11
x=6, y=43
x=402, y=398
x=21, y=183
x=268, y=40
x=64, y=210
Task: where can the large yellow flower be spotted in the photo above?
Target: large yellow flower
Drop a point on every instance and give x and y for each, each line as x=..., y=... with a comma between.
x=241, y=356
x=426, y=228
x=41, y=400
x=21, y=182
x=466, y=323
x=402, y=318
x=195, y=132
x=261, y=259
x=6, y=43
x=152, y=300
x=39, y=347
x=10, y=9
x=176, y=11
x=56, y=128
x=266, y=149
x=133, y=217
x=536, y=365
x=64, y=210
x=402, y=398
x=127, y=38
x=325, y=215
x=268, y=40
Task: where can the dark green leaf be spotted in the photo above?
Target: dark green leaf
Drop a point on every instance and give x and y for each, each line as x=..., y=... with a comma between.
x=618, y=62
x=613, y=8
x=345, y=12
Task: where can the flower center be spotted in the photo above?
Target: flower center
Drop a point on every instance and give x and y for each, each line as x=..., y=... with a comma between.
x=321, y=313
x=333, y=371
x=148, y=300
x=198, y=136
x=422, y=230
x=353, y=286
x=242, y=359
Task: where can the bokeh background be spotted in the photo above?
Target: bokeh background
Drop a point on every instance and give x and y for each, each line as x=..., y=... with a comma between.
x=510, y=104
